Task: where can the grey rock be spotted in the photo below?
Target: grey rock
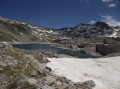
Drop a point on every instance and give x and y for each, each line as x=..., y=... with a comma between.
x=32, y=81
x=34, y=73
x=87, y=87
x=47, y=87
x=63, y=86
x=50, y=79
x=73, y=46
x=58, y=83
x=89, y=82
x=29, y=56
x=2, y=63
x=78, y=85
x=44, y=58
x=1, y=69
x=71, y=83
x=41, y=67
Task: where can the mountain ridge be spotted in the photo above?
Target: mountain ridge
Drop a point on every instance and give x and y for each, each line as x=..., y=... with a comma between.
x=21, y=31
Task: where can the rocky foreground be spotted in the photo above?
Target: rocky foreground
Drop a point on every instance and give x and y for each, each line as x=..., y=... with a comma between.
x=22, y=69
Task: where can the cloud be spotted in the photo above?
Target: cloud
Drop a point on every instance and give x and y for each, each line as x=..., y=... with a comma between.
x=92, y=22
x=112, y=5
x=110, y=20
x=107, y=0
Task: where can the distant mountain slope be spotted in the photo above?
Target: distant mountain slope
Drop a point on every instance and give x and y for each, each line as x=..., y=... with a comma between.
x=100, y=29
x=11, y=30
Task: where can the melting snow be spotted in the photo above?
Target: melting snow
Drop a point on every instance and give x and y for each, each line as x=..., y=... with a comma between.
x=11, y=22
x=105, y=72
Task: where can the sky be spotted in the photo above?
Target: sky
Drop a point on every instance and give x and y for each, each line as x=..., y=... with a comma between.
x=62, y=13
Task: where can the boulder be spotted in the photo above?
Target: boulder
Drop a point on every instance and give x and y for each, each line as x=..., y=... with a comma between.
x=87, y=87
x=49, y=79
x=47, y=87
x=29, y=56
x=34, y=73
x=32, y=81
x=81, y=46
x=41, y=67
x=90, y=83
x=73, y=46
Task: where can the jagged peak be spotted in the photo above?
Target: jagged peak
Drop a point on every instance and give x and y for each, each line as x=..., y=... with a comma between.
x=102, y=24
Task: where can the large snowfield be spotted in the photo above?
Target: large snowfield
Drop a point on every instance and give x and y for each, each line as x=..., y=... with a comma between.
x=105, y=72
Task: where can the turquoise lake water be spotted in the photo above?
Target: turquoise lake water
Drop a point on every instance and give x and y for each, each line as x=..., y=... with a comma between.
x=53, y=49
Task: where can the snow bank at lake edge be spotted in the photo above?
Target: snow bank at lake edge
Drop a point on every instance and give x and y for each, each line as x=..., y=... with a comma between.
x=105, y=72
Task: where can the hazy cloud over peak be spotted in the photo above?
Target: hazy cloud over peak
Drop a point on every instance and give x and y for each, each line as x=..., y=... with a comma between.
x=110, y=20
x=92, y=22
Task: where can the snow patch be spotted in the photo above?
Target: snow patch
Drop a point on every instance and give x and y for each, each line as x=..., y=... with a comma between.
x=115, y=33
x=105, y=72
x=11, y=22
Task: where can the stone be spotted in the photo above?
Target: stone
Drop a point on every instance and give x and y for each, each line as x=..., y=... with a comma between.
x=73, y=46
x=48, y=69
x=2, y=63
x=63, y=80
x=71, y=83
x=29, y=56
x=47, y=87
x=32, y=81
x=89, y=82
x=50, y=79
x=44, y=58
x=81, y=46
x=58, y=83
x=79, y=85
x=87, y=87
x=63, y=86
x=34, y=73
x=41, y=68
x=1, y=69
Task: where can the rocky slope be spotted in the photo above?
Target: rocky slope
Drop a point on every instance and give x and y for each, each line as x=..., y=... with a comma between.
x=100, y=29
x=22, y=69
x=12, y=30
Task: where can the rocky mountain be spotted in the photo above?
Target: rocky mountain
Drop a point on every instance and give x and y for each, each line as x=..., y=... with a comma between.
x=12, y=30
x=100, y=29
x=19, y=31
